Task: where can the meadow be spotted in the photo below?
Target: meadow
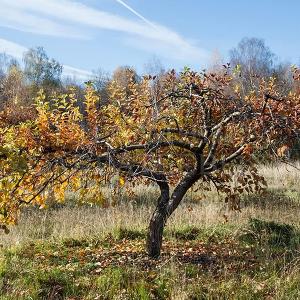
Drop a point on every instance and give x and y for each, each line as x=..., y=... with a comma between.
x=209, y=252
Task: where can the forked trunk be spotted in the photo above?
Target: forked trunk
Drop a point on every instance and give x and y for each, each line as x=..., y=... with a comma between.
x=164, y=209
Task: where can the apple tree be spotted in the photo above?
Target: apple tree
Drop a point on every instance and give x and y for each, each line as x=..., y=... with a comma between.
x=199, y=131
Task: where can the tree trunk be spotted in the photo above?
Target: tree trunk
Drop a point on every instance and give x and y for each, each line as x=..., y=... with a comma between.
x=158, y=221
x=156, y=228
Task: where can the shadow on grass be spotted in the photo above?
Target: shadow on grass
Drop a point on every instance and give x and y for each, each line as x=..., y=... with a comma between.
x=214, y=233
x=271, y=234
x=278, y=199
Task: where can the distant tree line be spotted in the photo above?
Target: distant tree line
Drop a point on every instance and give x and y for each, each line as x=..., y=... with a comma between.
x=20, y=82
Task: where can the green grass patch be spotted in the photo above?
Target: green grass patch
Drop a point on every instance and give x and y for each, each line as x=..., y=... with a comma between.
x=130, y=234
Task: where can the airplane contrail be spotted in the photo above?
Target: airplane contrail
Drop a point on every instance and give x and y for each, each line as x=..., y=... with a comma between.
x=136, y=13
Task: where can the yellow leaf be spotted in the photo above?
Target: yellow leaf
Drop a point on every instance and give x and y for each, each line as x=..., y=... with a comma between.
x=121, y=181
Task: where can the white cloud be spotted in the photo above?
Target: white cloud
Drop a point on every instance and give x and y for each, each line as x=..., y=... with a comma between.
x=16, y=18
x=17, y=51
x=68, y=11
x=77, y=73
x=166, y=50
x=12, y=49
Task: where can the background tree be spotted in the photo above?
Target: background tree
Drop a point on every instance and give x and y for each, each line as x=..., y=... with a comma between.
x=12, y=83
x=14, y=87
x=253, y=60
x=40, y=70
x=101, y=80
x=154, y=67
x=200, y=133
x=14, y=91
x=216, y=62
x=5, y=62
x=157, y=73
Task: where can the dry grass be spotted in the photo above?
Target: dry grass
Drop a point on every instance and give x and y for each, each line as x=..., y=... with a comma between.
x=282, y=176
x=281, y=204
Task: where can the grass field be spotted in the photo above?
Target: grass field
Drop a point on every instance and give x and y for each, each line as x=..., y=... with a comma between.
x=209, y=252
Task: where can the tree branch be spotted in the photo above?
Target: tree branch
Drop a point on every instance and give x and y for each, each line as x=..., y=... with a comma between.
x=184, y=133
x=220, y=163
x=213, y=148
x=226, y=120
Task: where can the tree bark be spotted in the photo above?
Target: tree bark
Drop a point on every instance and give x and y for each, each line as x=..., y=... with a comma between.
x=157, y=222
x=155, y=234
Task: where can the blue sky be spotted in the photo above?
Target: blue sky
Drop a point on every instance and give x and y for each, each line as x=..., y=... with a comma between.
x=86, y=35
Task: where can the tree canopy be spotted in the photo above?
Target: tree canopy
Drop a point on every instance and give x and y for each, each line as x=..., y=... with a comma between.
x=201, y=130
